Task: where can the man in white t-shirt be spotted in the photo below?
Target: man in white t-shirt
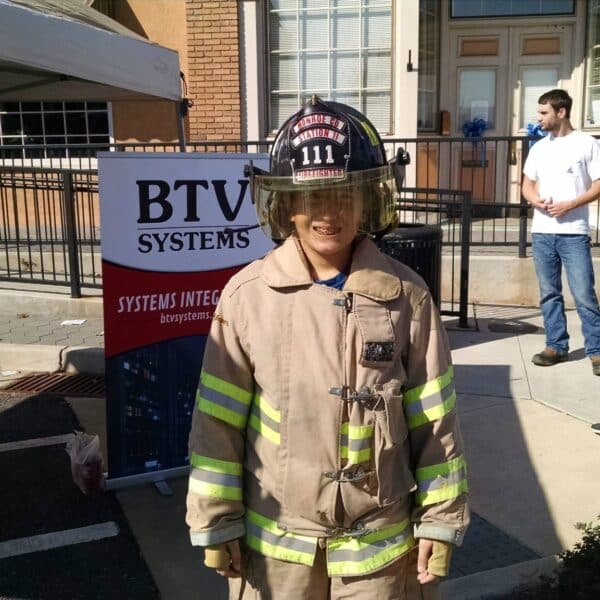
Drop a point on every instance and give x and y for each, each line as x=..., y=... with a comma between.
x=561, y=178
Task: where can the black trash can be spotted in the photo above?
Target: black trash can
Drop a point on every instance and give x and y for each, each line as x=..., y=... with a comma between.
x=420, y=248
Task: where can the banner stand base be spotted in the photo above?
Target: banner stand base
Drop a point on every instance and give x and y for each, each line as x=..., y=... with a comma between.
x=156, y=477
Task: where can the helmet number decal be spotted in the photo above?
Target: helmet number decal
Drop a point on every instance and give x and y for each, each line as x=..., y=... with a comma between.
x=317, y=152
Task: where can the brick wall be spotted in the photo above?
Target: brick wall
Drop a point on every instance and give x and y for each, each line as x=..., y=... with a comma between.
x=213, y=69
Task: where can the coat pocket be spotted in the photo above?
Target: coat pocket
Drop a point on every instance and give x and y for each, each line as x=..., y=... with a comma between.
x=392, y=451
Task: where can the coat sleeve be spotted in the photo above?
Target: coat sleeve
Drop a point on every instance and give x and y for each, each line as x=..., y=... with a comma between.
x=215, y=506
x=440, y=509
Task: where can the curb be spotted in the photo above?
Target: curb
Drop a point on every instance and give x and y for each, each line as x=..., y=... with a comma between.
x=38, y=357
x=499, y=583
x=50, y=304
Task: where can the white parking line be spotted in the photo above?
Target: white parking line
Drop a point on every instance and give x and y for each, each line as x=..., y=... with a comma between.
x=58, y=539
x=35, y=442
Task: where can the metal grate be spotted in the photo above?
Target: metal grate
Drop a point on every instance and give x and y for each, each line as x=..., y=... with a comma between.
x=63, y=384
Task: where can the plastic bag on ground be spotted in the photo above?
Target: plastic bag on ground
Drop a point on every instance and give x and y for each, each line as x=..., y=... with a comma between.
x=86, y=462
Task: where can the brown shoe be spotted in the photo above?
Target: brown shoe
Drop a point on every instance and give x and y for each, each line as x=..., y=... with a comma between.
x=548, y=357
x=595, y=364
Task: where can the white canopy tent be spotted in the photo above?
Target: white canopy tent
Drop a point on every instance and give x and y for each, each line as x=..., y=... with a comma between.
x=65, y=50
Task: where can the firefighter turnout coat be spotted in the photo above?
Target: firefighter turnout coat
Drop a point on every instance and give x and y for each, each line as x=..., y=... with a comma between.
x=326, y=414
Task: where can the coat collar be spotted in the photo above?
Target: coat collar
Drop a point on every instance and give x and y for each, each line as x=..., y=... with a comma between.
x=371, y=273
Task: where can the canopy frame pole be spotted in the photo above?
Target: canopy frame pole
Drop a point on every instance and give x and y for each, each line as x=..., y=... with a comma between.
x=180, y=111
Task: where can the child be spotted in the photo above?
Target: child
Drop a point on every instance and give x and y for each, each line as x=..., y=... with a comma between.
x=325, y=444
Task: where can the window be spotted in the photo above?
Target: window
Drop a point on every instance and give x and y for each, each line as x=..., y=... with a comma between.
x=54, y=125
x=592, y=72
x=429, y=66
x=510, y=8
x=477, y=96
x=534, y=82
x=340, y=50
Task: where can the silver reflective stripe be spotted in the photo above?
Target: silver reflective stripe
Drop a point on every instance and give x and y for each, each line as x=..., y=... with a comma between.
x=368, y=551
x=420, y=406
x=283, y=541
x=264, y=418
x=223, y=400
x=439, y=481
x=356, y=445
x=218, y=478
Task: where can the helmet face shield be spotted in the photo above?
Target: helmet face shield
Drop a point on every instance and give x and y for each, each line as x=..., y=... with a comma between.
x=363, y=199
x=327, y=159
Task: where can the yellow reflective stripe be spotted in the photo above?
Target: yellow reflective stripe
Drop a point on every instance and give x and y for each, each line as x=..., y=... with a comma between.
x=224, y=387
x=353, y=433
x=213, y=490
x=274, y=551
x=219, y=412
x=434, y=413
x=442, y=469
x=431, y=387
x=356, y=432
x=358, y=456
x=442, y=494
x=216, y=465
x=365, y=554
x=271, y=412
x=441, y=482
x=264, y=429
x=264, y=536
x=360, y=432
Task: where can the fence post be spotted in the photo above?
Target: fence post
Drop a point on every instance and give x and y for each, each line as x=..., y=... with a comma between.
x=465, y=247
x=524, y=204
x=71, y=233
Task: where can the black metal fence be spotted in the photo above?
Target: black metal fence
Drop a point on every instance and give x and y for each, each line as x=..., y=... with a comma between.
x=49, y=206
x=50, y=227
x=451, y=211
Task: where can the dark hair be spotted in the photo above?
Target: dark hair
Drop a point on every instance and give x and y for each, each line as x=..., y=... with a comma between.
x=557, y=99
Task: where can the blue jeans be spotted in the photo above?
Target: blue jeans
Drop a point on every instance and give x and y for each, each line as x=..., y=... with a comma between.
x=550, y=252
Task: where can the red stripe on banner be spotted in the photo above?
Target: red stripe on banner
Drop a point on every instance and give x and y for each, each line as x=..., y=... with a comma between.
x=145, y=307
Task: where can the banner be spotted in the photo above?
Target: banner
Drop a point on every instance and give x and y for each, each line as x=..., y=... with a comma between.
x=175, y=228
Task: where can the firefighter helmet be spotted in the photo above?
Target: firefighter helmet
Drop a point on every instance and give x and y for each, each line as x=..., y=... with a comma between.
x=326, y=155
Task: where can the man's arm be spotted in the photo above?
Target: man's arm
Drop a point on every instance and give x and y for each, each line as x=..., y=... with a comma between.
x=562, y=208
x=530, y=194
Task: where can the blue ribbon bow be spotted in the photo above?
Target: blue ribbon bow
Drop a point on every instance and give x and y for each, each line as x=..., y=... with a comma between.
x=535, y=133
x=475, y=129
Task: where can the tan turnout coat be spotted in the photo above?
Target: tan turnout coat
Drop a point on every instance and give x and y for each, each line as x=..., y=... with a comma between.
x=327, y=414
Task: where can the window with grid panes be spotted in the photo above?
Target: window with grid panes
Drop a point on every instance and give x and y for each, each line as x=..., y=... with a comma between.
x=56, y=125
x=340, y=50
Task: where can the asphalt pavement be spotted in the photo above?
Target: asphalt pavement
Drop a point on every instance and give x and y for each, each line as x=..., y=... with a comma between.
x=531, y=450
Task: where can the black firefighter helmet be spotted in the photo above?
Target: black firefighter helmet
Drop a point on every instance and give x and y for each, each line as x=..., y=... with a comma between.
x=327, y=153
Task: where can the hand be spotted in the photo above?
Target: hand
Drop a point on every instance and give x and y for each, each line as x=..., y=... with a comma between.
x=234, y=566
x=560, y=208
x=425, y=552
x=542, y=203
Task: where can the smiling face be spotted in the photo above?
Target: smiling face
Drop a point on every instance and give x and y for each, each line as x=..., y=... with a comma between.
x=326, y=223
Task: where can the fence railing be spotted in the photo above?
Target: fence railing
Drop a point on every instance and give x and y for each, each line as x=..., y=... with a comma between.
x=49, y=206
x=451, y=211
x=50, y=227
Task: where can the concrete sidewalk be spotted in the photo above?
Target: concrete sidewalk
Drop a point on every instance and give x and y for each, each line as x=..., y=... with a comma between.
x=533, y=457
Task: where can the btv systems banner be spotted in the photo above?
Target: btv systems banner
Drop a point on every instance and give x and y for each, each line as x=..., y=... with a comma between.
x=175, y=228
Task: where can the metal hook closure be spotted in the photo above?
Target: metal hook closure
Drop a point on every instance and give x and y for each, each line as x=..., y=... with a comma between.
x=365, y=396
x=346, y=476
x=357, y=531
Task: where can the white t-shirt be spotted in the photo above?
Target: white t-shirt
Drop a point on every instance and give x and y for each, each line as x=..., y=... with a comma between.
x=565, y=168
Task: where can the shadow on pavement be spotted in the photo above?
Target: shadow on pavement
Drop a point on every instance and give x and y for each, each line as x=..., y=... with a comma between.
x=504, y=486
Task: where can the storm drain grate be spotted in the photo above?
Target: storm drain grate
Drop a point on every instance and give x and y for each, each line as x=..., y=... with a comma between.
x=62, y=384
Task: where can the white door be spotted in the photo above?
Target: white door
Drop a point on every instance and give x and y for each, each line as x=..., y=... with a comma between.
x=495, y=77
